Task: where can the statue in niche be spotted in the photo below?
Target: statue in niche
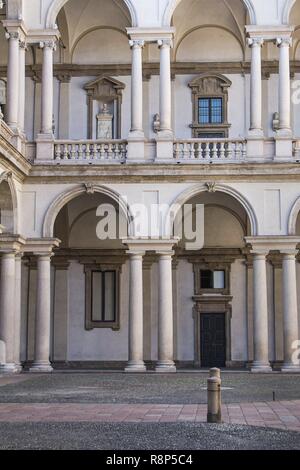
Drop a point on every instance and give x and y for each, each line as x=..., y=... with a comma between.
x=104, y=124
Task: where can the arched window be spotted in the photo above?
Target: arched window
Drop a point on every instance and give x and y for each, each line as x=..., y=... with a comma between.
x=210, y=106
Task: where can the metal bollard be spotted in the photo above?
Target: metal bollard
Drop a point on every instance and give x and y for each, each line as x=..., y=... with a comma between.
x=214, y=413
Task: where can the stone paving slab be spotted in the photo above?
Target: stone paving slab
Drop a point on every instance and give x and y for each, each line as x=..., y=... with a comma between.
x=282, y=415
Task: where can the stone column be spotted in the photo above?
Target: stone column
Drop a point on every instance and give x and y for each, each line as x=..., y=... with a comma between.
x=135, y=349
x=165, y=86
x=12, y=99
x=290, y=312
x=7, y=304
x=284, y=86
x=165, y=314
x=137, y=89
x=256, y=87
x=260, y=314
x=47, y=87
x=43, y=315
x=22, y=64
x=17, y=301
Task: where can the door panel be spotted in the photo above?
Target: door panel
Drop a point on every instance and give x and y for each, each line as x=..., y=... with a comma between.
x=213, y=340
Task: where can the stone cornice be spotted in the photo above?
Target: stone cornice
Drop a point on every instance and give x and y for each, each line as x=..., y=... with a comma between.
x=37, y=36
x=55, y=174
x=41, y=246
x=151, y=34
x=269, y=33
x=265, y=243
x=178, y=68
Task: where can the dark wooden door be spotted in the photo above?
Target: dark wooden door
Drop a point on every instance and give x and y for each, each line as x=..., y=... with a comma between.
x=213, y=340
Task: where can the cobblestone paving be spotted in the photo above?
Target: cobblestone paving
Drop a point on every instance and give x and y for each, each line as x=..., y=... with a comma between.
x=182, y=388
x=144, y=436
x=147, y=411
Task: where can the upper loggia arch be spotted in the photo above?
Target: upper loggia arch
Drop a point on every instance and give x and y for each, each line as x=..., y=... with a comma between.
x=172, y=5
x=287, y=11
x=57, y=5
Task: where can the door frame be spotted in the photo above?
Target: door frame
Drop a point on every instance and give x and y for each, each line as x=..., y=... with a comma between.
x=206, y=305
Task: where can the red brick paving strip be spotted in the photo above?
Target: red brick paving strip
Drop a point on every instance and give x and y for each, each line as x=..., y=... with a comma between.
x=281, y=415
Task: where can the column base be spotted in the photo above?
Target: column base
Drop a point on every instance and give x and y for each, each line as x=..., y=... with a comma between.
x=258, y=367
x=135, y=366
x=19, y=368
x=9, y=368
x=41, y=367
x=165, y=367
x=290, y=368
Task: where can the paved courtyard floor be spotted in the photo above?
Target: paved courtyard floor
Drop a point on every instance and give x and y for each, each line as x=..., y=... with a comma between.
x=147, y=411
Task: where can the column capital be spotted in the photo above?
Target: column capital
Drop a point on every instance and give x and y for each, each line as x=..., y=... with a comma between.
x=285, y=41
x=12, y=35
x=135, y=254
x=165, y=43
x=136, y=43
x=49, y=44
x=165, y=254
x=255, y=42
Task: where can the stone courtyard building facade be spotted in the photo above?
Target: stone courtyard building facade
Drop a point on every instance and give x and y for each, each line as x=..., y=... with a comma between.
x=114, y=105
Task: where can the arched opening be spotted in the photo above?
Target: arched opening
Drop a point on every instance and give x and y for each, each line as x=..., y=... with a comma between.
x=57, y=5
x=214, y=281
x=173, y=4
x=209, y=38
x=89, y=278
x=93, y=42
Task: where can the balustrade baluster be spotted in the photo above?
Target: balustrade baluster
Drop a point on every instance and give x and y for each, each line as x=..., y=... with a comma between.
x=207, y=151
x=88, y=151
x=57, y=152
x=215, y=151
x=80, y=151
x=73, y=152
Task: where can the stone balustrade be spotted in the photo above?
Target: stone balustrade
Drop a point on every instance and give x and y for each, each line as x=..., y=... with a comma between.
x=210, y=151
x=5, y=131
x=91, y=151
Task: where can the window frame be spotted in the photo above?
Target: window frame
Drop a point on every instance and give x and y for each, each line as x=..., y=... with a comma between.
x=198, y=268
x=210, y=100
x=210, y=86
x=90, y=323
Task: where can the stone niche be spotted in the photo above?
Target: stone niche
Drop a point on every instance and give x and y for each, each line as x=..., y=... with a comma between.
x=104, y=99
